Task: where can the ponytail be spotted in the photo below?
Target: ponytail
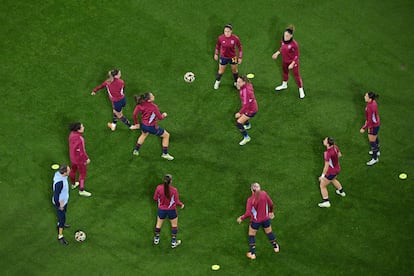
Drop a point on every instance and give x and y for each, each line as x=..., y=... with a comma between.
x=372, y=95
x=142, y=98
x=167, y=181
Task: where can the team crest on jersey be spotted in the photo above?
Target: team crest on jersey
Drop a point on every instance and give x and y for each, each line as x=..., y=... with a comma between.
x=289, y=46
x=232, y=41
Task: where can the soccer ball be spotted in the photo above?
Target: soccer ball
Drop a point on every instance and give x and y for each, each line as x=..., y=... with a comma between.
x=80, y=236
x=189, y=77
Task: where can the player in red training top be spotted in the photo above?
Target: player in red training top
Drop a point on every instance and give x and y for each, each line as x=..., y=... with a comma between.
x=150, y=115
x=78, y=157
x=248, y=110
x=290, y=59
x=115, y=88
x=259, y=208
x=372, y=123
x=226, y=46
x=330, y=171
x=167, y=198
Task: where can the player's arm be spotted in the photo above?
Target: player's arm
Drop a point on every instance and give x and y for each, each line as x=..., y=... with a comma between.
x=56, y=193
x=99, y=87
x=239, y=47
x=247, y=213
x=325, y=170
x=135, y=115
x=217, y=49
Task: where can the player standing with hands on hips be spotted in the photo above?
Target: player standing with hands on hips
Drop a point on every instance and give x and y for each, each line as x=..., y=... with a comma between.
x=289, y=49
x=330, y=171
x=372, y=123
x=259, y=208
x=226, y=46
x=248, y=110
x=115, y=88
x=167, y=198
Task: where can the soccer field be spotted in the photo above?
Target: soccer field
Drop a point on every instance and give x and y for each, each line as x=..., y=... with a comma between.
x=55, y=52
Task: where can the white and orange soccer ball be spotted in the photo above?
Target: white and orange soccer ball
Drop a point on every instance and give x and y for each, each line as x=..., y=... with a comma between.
x=189, y=77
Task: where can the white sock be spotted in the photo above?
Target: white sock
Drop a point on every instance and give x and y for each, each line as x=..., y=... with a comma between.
x=301, y=90
x=284, y=83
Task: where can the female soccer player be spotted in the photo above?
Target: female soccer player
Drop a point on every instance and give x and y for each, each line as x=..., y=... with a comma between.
x=330, y=171
x=372, y=123
x=167, y=197
x=290, y=59
x=150, y=115
x=115, y=88
x=78, y=157
x=226, y=45
x=259, y=208
x=248, y=110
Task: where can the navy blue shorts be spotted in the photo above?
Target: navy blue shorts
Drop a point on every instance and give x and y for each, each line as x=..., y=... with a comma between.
x=250, y=115
x=162, y=214
x=119, y=105
x=225, y=61
x=155, y=130
x=256, y=225
x=373, y=130
x=330, y=177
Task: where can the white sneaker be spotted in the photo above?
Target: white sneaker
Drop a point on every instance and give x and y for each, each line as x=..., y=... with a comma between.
x=175, y=244
x=135, y=152
x=216, y=84
x=85, y=193
x=249, y=126
x=75, y=185
x=339, y=193
x=112, y=126
x=167, y=156
x=301, y=93
x=281, y=87
x=325, y=204
x=370, y=152
x=245, y=141
x=156, y=240
x=372, y=162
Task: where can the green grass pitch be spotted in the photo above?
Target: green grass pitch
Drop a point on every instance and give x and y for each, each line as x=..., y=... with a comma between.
x=53, y=53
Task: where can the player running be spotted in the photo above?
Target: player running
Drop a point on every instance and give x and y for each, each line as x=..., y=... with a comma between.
x=115, y=88
x=330, y=171
x=150, y=115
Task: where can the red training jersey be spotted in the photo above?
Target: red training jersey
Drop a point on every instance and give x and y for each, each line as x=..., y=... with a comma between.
x=372, y=118
x=227, y=46
x=165, y=203
x=331, y=155
x=77, y=149
x=259, y=210
x=289, y=51
x=150, y=113
x=249, y=104
x=115, y=89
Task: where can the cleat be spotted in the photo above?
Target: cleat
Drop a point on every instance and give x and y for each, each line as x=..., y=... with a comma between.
x=249, y=126
x=167, y=156
x=325, y=204
x=370, y=152
x=75, y=185
x=85, y=193
x=235, y=84
x=372, y=162
x=281, y=87
x=339, y=193
x=62, y=241
x=277, y=248
x=251, y=256
x=133, y=127
x=174, y=244
x=245, y=141
x=301, y=94
x=112, y=126
x=135, y=152
x=156, y=240
x=216, y=85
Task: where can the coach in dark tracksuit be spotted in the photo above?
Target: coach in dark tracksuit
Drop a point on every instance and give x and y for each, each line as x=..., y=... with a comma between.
x=60, y=199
